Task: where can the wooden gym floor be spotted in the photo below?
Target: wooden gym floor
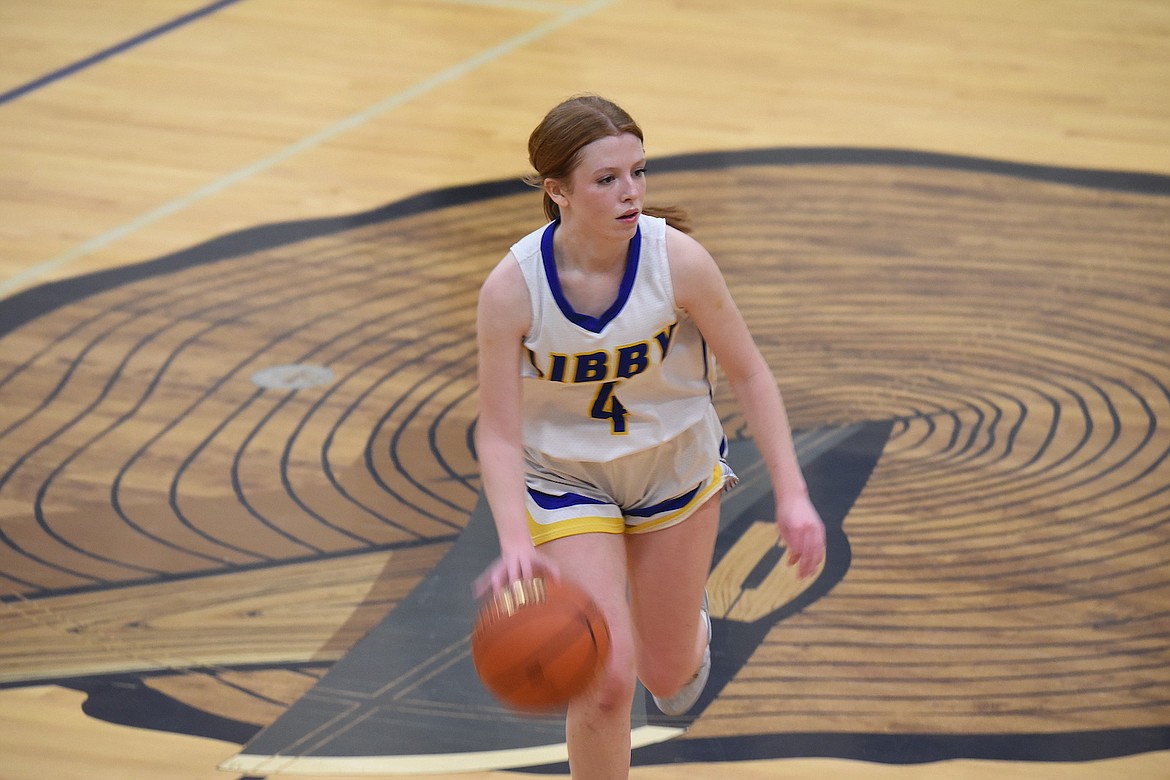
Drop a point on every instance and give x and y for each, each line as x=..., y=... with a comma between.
x=239, y=248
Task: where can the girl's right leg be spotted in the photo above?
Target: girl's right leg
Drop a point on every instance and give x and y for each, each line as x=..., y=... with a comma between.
x=598, y=723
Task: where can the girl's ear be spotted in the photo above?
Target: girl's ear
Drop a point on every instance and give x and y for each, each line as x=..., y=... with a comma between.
x=556, y=191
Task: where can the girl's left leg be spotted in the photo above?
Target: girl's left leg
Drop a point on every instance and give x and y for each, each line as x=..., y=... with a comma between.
x=668, y=572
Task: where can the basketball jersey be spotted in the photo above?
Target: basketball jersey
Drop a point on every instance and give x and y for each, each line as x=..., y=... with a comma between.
x=638, y=375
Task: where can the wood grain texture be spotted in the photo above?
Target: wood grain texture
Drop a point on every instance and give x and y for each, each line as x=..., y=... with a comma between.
x=1008, y=554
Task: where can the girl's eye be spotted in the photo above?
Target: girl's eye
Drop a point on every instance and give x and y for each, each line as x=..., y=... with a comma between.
x=609, y=179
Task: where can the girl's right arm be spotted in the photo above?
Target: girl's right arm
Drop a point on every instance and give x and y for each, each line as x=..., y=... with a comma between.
x=502, y=318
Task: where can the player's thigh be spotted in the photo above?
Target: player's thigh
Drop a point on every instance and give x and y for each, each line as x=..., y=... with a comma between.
x=597, y=563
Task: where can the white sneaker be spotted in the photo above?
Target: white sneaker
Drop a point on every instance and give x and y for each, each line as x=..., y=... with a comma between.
x=689, y=693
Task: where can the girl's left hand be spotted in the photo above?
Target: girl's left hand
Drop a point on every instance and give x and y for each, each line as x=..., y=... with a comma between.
x=802, y=531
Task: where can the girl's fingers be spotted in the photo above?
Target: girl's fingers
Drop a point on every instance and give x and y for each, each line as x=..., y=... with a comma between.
x=502, y=573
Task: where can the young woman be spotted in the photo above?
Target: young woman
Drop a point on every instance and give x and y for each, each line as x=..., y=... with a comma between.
x=600, y=449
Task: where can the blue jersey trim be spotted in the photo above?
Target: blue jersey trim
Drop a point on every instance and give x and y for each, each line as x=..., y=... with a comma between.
x=591, y=324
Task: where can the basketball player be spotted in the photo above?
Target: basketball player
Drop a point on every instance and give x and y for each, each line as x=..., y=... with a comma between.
x=600, y=449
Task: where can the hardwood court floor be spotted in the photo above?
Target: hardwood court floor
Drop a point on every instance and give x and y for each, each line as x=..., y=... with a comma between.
x=1013, y=326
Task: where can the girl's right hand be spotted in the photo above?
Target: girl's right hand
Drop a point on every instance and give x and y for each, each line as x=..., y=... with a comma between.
x=511, y=566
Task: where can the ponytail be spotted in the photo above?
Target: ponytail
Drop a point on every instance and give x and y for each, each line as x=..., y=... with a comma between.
x=675, y=216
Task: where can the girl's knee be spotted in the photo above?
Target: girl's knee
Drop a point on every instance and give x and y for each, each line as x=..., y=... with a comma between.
x=615, y=686
x=664, y=673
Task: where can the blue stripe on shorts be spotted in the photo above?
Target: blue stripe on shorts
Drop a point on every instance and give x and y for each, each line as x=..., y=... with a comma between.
x=669, y=505
x=549, y=501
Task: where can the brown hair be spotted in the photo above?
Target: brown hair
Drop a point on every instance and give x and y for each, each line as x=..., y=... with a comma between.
x=554, y=147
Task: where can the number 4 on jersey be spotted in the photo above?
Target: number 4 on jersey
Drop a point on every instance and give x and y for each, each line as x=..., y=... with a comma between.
x=606, y=406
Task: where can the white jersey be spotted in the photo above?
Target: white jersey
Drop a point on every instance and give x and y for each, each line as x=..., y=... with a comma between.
x=598, y=388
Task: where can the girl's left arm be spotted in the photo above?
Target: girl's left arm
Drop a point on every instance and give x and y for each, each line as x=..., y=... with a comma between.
x=700, y=289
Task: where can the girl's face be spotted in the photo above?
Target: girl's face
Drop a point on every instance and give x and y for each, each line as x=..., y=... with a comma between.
x=606, y=189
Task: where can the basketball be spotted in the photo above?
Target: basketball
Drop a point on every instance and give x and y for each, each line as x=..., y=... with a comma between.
x=538, y=643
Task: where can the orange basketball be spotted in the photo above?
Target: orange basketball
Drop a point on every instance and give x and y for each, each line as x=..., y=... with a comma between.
x=538, y=643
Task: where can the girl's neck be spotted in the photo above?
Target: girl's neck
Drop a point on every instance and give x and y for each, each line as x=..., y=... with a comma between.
x=587, y=253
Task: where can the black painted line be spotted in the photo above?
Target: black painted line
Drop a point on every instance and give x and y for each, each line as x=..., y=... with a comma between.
x=113, y=51
x=110, y=586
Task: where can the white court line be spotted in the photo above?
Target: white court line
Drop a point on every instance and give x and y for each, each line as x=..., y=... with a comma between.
x=459, y=70
x=511, y=5
x=432, y=763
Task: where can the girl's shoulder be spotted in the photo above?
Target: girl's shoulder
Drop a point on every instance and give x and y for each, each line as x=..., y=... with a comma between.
x=692, y=268
x=503, y=296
